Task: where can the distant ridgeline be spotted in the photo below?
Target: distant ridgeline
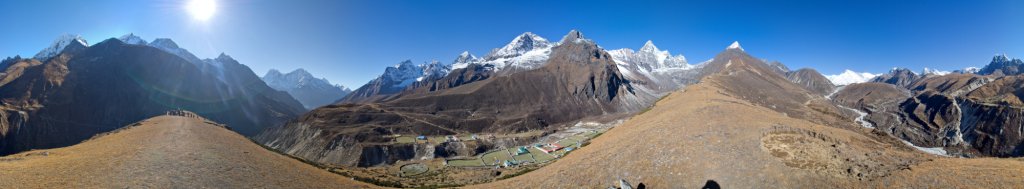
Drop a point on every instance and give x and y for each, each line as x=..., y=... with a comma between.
x=71, y=91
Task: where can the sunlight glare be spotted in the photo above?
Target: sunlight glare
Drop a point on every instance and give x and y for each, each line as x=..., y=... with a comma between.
x=201, y=10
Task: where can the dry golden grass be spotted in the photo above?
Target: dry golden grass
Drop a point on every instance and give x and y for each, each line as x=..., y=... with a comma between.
x=701, y=134
x=165, y=152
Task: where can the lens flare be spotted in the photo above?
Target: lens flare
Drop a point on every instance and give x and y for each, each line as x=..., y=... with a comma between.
x=201, y=10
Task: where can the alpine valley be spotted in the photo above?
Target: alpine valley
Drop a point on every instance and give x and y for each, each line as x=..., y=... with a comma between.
x=534, y=113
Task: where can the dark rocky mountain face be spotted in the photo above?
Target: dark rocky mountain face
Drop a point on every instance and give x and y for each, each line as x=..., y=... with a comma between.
x=579, y=80
x=964, y=114
x=80, y=93
x=810, y=79
x=901, y=77
x=1002, y=65
x=312, y=92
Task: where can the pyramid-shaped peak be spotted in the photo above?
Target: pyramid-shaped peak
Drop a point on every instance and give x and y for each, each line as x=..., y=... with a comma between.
x=223, y=56
x=735, y=45
x=649, y=46
x=573, y=36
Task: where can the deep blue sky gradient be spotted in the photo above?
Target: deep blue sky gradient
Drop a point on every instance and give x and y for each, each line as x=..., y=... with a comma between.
x=350, y=42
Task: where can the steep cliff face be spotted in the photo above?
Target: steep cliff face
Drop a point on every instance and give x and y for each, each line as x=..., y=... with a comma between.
x=964, y=114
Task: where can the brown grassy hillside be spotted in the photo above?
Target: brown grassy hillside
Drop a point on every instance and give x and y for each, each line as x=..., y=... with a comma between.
x=165, y=152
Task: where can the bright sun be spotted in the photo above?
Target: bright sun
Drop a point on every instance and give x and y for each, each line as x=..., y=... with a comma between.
x=201, y=10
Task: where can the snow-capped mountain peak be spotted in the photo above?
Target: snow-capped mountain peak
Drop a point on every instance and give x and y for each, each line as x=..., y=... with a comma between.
x=404, y=73
x=433, y=69
x=527, y=51
x=303, y=86
x=520, y=45
x=929, y=71
x=649, y=46
x=131, y=38
x=464, y=59
x=58, y=46
x=735, y=45
x=850, y=77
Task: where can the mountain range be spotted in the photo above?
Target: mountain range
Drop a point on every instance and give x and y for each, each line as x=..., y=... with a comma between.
x=312, y=92
x=532, y=86
x=735, y=120
x=71, y=91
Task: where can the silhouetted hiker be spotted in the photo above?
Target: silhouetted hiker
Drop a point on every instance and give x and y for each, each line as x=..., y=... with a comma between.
x=711, y=184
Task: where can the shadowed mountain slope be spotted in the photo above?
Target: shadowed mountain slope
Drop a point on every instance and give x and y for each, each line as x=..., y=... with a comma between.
x=82, y=92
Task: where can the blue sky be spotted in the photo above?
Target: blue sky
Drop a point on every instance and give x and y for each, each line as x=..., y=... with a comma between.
x=350, y=42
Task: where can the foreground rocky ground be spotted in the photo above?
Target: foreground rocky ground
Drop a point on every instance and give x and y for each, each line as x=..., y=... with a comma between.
x=165, y=152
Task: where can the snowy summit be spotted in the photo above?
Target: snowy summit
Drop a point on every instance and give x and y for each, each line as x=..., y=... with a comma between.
x=850, y=77
x=735, y=45
x=58, y=46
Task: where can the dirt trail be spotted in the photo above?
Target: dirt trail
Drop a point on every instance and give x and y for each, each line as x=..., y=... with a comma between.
x=165, y=152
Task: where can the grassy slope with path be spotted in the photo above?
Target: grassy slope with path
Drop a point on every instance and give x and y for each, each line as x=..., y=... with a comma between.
x=165, y=152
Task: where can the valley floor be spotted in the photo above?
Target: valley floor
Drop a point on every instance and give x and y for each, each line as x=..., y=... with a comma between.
x=165, y=152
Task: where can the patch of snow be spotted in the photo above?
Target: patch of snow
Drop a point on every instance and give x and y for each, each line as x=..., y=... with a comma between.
x=850, y=77
x=834, y=91
x=860, y=117
x=933, y=150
